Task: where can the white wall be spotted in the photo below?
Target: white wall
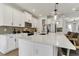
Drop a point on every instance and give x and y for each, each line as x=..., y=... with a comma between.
x=74, y=24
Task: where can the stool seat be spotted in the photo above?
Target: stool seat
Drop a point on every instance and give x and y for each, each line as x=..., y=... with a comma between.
x=73, y=39
x=77, y=47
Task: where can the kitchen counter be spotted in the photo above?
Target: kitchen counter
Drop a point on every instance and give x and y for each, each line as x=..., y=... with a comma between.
x=52, y=39
x=56, y=39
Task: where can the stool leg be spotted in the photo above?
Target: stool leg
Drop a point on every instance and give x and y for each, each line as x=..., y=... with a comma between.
x=74, y=43
x=68, y=52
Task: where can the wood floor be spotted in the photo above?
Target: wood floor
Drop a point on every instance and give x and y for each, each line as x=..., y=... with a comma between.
x=12, y=53
x=15, y=53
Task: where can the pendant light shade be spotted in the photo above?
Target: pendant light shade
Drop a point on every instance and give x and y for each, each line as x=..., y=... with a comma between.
x=55, y=17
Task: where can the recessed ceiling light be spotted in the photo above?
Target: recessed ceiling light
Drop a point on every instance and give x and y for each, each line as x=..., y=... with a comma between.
x=40, y=15
x=33, y=10
x=73, y=9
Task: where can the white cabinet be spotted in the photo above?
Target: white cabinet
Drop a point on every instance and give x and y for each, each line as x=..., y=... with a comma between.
x=10, y=16
x=1, y=14
x=29, y=48
x=42, y=50
x=28, y=17
x=7, y=15
x=21, y=19
x=3, y=44
x=34, y=22
x=39, y=25
x=11, y=43
x=25, y=48
x=18, y=18
x=7, y=43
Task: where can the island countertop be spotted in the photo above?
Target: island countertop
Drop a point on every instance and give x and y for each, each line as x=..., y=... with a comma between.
x=55, y=39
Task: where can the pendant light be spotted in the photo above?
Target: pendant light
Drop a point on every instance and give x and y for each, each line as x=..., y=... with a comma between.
x=55, y=10
x=55, y=16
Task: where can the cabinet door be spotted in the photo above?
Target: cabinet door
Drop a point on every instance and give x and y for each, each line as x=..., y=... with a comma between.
x=3, y=44
x=21, y=19
x=16, y=43
x=34, y=22
x=11, y=43
x=15, y=17
x=1, y=14
x=18, y=18
x=7, y=15
x=42, y=50
x=25, y=48
x=28, y=17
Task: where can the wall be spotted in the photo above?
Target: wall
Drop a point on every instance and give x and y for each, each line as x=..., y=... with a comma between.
x=74, y=24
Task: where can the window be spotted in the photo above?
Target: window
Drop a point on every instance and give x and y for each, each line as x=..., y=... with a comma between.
x=69, y=27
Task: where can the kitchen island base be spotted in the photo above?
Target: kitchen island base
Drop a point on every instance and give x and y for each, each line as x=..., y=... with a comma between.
x=27, y=48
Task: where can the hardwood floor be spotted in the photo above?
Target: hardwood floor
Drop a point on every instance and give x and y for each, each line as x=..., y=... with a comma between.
x=12, y=53
x=15, y=53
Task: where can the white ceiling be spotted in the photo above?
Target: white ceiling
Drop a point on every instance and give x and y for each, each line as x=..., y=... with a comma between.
x=45, y=9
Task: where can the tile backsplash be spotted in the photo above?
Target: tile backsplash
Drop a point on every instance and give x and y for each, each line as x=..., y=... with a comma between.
x=8, y=29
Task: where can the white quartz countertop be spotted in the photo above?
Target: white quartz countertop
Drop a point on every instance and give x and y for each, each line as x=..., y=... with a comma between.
x=56, y=39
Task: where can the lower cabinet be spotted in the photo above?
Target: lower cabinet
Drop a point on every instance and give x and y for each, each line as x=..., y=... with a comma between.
x=11, y=43
x=25, y=48
x=28, y=48
x=7, y=43
x=42, y=50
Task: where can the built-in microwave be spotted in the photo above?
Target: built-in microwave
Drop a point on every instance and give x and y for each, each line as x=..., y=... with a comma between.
x=28, y=25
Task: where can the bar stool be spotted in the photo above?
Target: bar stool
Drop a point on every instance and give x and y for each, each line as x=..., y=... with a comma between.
x=75, y=40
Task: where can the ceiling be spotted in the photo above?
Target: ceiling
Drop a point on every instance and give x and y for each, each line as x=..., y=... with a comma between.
x=44, y=9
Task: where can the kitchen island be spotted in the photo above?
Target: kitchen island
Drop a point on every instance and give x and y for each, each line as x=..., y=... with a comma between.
x=44, y=45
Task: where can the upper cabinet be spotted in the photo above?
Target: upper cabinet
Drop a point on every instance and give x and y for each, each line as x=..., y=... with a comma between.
x=10, y=16
x=18, y=18
x=1, y=14
x=13, y=17
x=34, y=22
x=28, y=17
x=7, y=16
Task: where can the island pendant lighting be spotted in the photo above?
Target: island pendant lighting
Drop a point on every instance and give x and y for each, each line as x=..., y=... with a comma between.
x=55, y=10
x=55, y=15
